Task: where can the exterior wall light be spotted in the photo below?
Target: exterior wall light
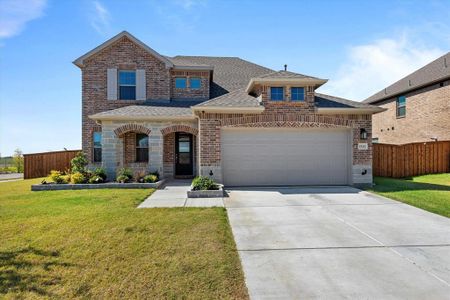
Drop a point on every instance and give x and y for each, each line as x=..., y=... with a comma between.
x=363, y=134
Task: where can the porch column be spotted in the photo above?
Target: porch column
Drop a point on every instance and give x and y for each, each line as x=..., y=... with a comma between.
x=156, y=152
x=109, y=151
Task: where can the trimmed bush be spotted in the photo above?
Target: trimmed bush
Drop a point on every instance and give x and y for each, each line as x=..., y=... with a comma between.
x=151, y=178
x=202, y=183
x=79, y=163
x=125, y=172
x=95, y=179
x=77, y=178
x=122, y=179
x=100, y=172
x=58, y=177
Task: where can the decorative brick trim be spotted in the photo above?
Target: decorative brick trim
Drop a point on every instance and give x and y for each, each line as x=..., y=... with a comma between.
x=119, y=132
x=288, y=120
x=179, y=128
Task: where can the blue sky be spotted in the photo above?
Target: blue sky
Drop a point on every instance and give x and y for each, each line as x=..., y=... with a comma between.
x=361, y=46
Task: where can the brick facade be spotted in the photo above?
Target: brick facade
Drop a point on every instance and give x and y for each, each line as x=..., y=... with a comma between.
x=427, y=116
x=188, y=92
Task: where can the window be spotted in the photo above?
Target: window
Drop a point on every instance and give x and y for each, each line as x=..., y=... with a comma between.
x=195, y=83
x=127, y=85
x=141, y=147
x=401, y=106
x=276, y=93
x=97, y=137
x=297, y=94
x=180, y=83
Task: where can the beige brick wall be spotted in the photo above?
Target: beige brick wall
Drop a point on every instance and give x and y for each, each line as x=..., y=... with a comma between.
x=427, y=116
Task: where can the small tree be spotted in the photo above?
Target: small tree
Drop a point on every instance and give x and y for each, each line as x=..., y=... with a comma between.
x=18, y=160
x=79, y=163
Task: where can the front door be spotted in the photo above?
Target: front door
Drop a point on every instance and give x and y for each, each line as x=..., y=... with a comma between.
x=183, y=154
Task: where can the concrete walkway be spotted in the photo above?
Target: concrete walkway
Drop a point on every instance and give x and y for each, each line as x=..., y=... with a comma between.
x=174, y=194
x=11, y=177
x=338, y=243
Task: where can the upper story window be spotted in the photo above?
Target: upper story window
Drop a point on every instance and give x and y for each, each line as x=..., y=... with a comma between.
x=195, y=82
x=127, y=85
x=97, y=139
x=401, y=106
x=297, y=93
x=277, y=93
x=141, y=147
x=180, y=82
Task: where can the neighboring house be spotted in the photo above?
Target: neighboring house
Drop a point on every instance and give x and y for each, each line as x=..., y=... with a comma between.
x=224, y=117
x=417, y=106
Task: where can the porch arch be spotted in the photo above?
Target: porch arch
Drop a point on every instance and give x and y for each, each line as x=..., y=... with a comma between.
x=120, y=131
x=179, y=128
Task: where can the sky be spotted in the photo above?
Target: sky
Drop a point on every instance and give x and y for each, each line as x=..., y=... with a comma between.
x=360, y=46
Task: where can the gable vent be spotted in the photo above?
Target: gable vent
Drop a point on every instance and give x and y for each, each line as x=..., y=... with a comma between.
x=409, y=82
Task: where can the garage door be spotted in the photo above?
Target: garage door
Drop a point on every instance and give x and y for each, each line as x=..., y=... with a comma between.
x=266, y=156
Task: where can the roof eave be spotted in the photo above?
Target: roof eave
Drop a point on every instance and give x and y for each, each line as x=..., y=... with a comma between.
x=350, y=110
x=219, y=109
x=316, y=82
x=140, y=118
x=207, y=68
x=79, y=61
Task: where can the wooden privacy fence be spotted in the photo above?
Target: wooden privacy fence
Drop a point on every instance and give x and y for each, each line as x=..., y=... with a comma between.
x=40, y=164
x=411, y=159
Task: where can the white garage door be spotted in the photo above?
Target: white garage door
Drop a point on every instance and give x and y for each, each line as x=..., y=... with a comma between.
x=272, y=156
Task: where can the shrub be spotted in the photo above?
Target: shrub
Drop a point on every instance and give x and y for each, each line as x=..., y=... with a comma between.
x=122, y=179
x=100, y=172
x=79, y=163
x=95, y=179
x=125, y=172
x=58, y=177
x=77, y=178
x=202, y=183
x=150, y=178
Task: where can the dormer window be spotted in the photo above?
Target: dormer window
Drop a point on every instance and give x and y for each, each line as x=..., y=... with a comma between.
x=127, y=85
x=180, y=82
x=297, y=94
x=277, y=93
x=195, y=83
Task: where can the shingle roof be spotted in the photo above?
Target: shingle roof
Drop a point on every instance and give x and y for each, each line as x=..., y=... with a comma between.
x=238, y=98
x=152, y=109
x=287, y=75
x=327, y=101
x=230, y=73
x=435, y=71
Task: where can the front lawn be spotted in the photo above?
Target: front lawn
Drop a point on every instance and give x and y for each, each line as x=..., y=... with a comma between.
x=429, y=192
x=96, y=244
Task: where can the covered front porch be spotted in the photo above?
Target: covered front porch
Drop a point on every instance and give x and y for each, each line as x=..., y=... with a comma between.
x=167, y=148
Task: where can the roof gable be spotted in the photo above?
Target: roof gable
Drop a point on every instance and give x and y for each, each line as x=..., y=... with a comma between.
x=80, y=61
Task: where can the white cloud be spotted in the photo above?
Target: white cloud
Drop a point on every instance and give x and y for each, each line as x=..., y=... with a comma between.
x=372, y=67
x=101, y=18
x=15, y=14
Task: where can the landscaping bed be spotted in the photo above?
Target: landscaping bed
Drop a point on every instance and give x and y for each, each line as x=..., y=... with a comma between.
x=90, y=186
x=204, y=187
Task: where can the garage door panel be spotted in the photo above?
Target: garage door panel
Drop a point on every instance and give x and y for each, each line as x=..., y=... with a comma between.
x=285, y=156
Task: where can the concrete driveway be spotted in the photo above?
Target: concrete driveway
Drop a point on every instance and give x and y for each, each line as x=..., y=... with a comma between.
x=338, y=242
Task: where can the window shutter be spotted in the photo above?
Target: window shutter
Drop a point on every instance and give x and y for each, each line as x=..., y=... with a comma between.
x=140, y=85
x=111, y=82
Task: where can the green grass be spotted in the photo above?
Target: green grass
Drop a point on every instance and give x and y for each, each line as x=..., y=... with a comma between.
x=96, y=244
x=429, y=192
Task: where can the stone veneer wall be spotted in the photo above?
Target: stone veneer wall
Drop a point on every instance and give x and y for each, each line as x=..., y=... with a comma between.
x=113, y=146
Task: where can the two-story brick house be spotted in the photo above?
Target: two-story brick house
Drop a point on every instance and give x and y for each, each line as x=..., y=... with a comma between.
x=417, y=107
x=224, y=117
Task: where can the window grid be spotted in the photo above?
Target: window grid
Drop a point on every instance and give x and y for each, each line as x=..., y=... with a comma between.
x=277, y=93
x=127, y=85
x=297, y=94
